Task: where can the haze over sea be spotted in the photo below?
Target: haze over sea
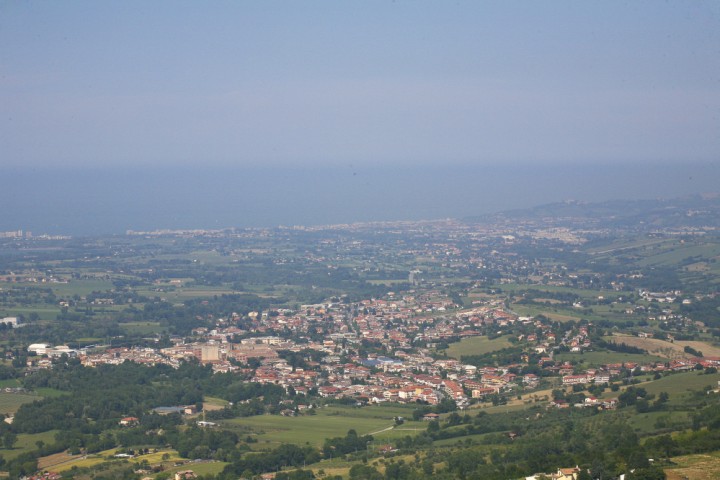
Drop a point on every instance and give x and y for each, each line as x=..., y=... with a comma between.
x=91, y=201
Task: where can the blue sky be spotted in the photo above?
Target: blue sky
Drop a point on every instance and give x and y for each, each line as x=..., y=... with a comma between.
x=361, y=83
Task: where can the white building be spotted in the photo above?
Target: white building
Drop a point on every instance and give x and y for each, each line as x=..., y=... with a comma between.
x=38, y=348
x=12, y=321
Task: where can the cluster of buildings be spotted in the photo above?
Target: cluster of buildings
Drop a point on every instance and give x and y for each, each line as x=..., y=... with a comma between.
x=374, y=350
x=377, y=350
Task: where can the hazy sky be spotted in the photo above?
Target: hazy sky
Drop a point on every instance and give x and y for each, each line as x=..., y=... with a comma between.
x=359, y=83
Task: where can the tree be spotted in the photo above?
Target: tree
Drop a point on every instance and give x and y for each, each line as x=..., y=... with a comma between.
x=464, y=462
x=9, y=439
x=642, y=406
x=364, y=472
x=647, y=473
x=662, y=399
x=584, y=475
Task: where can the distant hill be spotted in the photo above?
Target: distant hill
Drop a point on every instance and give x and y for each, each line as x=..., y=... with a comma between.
x=693, y=211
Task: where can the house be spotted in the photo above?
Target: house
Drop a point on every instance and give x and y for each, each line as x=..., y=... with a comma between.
x=601, y=378
x=385, y=449
x=38, y=348
x=575, y=379
x=429, y=417
x=129, y=421
x=567, y=473
x=184, y=475
x=45, y=476
x=481, y=392
x=11, y=321
x=561, y=474
x=610, y=403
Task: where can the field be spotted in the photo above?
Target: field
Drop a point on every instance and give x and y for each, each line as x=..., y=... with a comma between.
x=142, y=328
x=624, y=245
x=647, y=423
x=213, y=403
x=696, y=467
x=44, y=312
x=477, y=438
x=663, y=348
x=682, y=383
x=200, y=468
x=49, y=392
x=61, y=462
x=180, y=295
x=477, y=346
x=675, y=254
x=549, y=312
x=10, y=402
x=27, y=442
x=602, y=358
x=586, y=294
x=704, y=347
x=331, y=421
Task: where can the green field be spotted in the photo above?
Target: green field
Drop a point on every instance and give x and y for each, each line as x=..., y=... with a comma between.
x=646, y=423
x=142, y=328
x=675, y=254
x=92, y=460
x=44, y=312
x=329, y=422
x=447, y=442
x=550, y=312
x=79, y=287
x=88, y=340
x=10, y=402
x=583, y=293
x=477, y=346
x=27, y=442
x=179, y=295
x=387, y=282
x=624, y=244
x=200, y=468
x=682, y=383
x=596, y=359
x=489, y=408
x=611, y=313
x=50, y=392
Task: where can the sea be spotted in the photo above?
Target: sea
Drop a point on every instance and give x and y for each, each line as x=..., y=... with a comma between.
x=84, y=201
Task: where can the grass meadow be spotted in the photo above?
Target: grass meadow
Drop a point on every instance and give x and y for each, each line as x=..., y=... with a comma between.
x=477, y=346
x=10, y=402
x=142, y=328
x=328, y=422
x=681, y=383
x=596, y=359
x=27, y=442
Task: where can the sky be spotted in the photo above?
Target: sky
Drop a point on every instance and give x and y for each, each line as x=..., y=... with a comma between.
x=120, y=115
x=358, y=84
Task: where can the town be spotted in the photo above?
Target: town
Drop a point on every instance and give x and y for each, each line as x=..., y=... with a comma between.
x=409, y=334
